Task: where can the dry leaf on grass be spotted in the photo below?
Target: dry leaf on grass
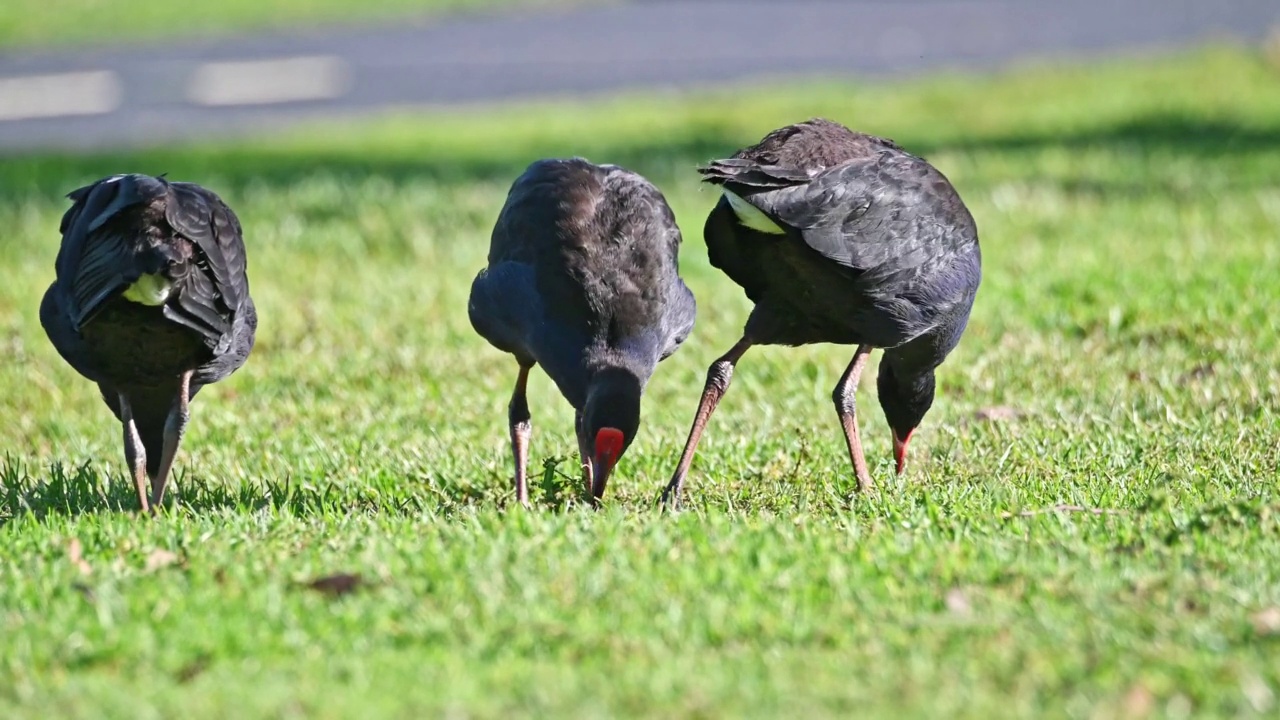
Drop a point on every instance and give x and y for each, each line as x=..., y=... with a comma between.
x=160, y=559
x=1138, y=702
x=1199, y=372
x=85, y=591
x=1258, y=692
x=75, y=553
x=957, y=602
x=1267, y=622
x=336, y=585
x=192, y=670
x=999, y=413
x=1062, y=508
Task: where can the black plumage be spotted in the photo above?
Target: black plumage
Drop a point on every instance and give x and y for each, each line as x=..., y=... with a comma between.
x=151, y=302
x=582, y=279
x=841, y=237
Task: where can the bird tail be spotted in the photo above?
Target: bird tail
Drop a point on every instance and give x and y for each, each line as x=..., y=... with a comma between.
x=94, y=205
x=85, y=270
x=741, y=171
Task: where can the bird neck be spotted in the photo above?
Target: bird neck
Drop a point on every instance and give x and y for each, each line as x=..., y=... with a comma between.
x=905, y=393
x=613, y=401
x=615, y=382
x=625, y=361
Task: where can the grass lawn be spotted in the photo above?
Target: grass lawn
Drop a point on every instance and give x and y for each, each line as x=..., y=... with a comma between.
x=71, y=22
x=1128, y=320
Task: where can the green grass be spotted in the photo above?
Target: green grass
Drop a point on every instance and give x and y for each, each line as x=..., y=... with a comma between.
x=67, y=22
x=1128, y=216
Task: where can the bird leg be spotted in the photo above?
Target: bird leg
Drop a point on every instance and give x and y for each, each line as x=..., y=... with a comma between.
x=174, y=427
x=521, y=428
x=585, y=452
x=718, y=377
x=134, y=453
x=845, y=398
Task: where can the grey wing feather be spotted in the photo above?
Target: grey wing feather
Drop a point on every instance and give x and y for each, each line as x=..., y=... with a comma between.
x=103, y=272
x=854, y=214
x=211, y=294
x=750, y=173
x=824, y=211
x=201, y=217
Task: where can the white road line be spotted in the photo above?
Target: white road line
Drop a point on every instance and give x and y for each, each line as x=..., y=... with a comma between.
x=93, y=92
x=261, y=82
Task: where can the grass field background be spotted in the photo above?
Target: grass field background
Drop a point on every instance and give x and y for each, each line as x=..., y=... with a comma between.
x=1126, y=334
x=66, y=22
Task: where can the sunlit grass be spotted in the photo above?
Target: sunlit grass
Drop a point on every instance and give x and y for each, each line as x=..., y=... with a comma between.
x=1126, y=330
x=103, y=22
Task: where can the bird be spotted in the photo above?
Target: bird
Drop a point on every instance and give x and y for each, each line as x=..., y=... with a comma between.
x=151, y=302
x=841, y=237
x=582, y=279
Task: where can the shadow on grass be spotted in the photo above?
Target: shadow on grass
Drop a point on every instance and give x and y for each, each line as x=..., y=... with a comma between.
x=82, y=490
x=241, y=170
x=1175, y=134
x=72, y=491
x=237, y=170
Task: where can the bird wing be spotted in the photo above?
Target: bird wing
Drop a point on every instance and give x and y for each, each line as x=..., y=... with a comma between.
x=868, y=214
x=505, y=308
x=508, y=310
x=214, y=290
x=96, y=261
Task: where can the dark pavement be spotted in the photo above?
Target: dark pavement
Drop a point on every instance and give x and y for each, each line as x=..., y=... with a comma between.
x=129, y=95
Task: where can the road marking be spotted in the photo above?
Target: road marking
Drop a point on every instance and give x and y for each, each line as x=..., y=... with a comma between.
x=263, y=82
x=93, y=92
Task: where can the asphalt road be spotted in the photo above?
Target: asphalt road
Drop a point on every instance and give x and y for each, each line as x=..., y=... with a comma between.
x=137, y=94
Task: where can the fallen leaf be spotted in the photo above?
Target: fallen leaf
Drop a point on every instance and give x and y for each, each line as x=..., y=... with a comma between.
x=1063, y=509
x=336, y=585
x=1199, y=372
x=160, y=559
x=1138, y=702
x=75, y=553
x=999, y=413
x=1267, y=622
x=1179, y=706
x=85, y=591
x=957, y=601
x=193, y=669
x=1258, y=693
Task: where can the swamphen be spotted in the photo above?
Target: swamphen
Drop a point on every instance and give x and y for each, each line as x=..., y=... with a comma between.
x=152, y=303
x=582, y=279
x=841, y=237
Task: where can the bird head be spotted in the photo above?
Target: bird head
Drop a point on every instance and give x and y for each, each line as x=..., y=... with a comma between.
x=905, y=399
x=610, y=419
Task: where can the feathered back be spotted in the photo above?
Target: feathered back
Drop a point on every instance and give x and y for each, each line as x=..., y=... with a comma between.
x=602, y=239
x=794, y=154
x=857, y=199
x=127, y=226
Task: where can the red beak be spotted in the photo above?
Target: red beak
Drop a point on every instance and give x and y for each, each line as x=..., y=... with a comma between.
x=609, y=444
x=900, y=450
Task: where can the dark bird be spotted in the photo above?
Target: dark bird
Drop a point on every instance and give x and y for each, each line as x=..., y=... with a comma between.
x=151, y=302
x=582, y=279
x=841, y=237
